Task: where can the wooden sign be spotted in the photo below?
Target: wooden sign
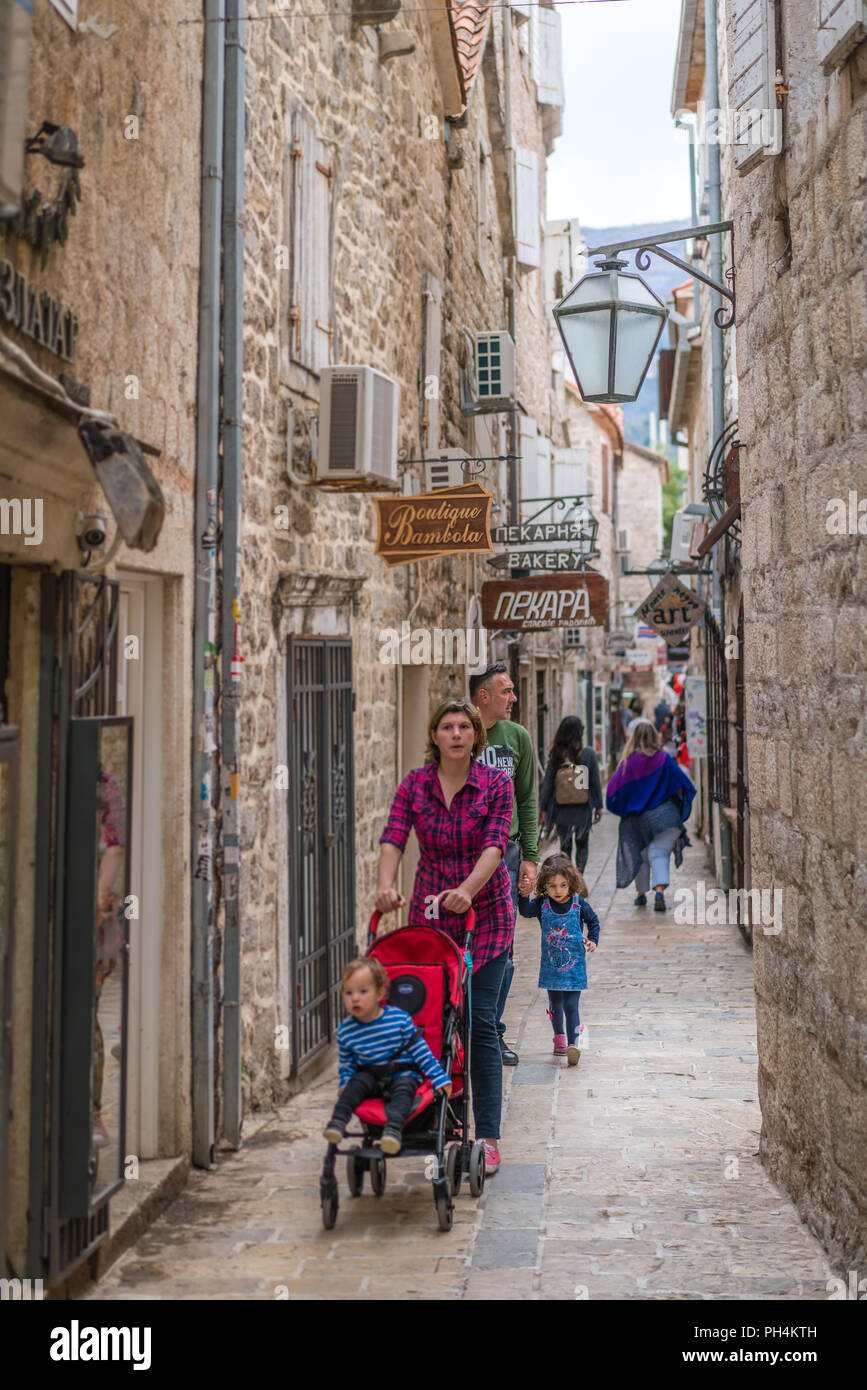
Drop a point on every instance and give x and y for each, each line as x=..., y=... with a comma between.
x=558, y=600
x=671, y=609
x=450, y=521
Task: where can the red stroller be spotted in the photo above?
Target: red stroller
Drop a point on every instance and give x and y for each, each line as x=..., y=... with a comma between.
x=430, y=977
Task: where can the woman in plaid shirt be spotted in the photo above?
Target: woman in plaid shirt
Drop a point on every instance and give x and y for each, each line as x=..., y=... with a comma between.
x=461, y=812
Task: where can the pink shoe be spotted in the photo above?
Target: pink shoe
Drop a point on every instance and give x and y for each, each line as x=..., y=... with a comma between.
x=492, y=1157
x=559, y=1044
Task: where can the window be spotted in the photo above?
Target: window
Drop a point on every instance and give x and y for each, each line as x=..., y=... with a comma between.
x=842, y=26
x=548, y=57
x=527, y=437
x=527, y=207
x=310, y=317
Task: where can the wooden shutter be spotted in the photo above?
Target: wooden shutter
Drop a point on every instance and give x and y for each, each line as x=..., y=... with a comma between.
x=527, y=440
x=752, y=67
x=527, y=206
x=842, y=26
x=549, y=56
x=431, y=292
x=570, y=473
x=521, y=12
x=543, y=467
x=310, y=313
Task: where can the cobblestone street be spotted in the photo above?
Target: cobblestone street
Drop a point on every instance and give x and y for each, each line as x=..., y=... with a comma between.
x=634, y=1175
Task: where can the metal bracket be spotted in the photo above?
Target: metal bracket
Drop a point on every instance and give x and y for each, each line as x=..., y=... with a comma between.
x=645, y=247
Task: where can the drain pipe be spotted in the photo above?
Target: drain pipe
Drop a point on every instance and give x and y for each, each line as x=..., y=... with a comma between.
x=714, y=194
x=233, y=405
x=205, y=581
x=514, y=467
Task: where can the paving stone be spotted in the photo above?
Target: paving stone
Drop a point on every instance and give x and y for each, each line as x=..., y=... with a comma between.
x=505, y=1249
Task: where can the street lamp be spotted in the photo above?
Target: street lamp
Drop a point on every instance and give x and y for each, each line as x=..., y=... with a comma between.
x=610, y=323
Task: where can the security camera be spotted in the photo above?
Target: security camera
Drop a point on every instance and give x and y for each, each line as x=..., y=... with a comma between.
x=92, y=532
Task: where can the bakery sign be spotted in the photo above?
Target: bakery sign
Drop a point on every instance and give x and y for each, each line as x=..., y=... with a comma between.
x=671, y=609
x=549, y=601
x=450, y=521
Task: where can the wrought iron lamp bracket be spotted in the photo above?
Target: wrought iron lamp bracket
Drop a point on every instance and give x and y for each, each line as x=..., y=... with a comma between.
x=645, y=247
x=557, y=502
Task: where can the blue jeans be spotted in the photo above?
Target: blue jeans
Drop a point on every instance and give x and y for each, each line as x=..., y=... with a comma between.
x=486, y=1064
x=565, y=1001
x=655, y=859
x=513, y=865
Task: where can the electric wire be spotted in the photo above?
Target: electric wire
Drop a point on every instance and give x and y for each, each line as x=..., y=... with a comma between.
x=404, y=9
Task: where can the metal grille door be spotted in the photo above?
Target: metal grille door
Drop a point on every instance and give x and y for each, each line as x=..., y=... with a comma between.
x=321, y=837
x=718, y=712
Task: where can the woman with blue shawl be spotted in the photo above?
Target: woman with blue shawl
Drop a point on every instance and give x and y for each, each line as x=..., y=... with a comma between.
x=652, y=796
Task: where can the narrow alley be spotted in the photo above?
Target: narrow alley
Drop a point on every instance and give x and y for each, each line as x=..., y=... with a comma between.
x=634, y=1175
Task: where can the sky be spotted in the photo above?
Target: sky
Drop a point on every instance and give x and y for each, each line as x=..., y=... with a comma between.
x=619, y=159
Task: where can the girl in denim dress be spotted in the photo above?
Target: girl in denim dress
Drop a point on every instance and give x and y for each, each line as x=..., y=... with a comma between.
x=564, y=913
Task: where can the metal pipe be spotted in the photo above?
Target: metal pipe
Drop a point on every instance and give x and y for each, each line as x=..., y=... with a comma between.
x=714, y=187
x=233, y=405
x=205, y=587
x=514, y=447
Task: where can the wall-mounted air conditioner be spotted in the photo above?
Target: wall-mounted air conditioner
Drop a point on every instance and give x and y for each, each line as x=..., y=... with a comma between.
x=445, y=470
x=494, y=367
x=357, y=425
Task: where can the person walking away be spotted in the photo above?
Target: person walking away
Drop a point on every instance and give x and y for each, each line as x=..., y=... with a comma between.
x=561, y=905
x=461, y=812
x=660, y=715
x=381, y=1053
x=510, y=749
x=652, y=796
x=571, y=796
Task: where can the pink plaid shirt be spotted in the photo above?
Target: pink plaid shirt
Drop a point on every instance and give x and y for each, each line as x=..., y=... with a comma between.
x=450, y=843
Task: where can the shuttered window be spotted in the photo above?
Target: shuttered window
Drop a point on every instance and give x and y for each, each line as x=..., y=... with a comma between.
x=483, y=221
x=543, y=467
x=548, y=57
x=842, y=26
x=310, y=314
x=570, y=473
x=527, y=206
x=527, y=437
x=752, y=67
x=431, y=292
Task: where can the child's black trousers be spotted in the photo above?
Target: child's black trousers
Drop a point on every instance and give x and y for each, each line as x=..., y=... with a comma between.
x=397, y=1091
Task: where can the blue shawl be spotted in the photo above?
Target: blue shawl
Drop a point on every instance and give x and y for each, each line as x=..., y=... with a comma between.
x=649, y=794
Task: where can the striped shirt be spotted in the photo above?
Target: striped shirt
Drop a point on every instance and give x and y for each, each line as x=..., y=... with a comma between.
x=370, y=1044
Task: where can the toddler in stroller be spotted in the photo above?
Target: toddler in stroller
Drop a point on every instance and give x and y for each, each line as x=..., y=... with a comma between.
x=381, y=1053
x=423, y=1110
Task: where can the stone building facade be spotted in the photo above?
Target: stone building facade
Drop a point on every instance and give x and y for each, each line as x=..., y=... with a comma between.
x=107, y=245
x=795, y=196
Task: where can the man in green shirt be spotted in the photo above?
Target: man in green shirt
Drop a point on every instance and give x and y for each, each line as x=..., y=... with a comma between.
x=510, y=749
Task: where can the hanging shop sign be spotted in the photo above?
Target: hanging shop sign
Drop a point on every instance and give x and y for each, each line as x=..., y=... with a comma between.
x=523, y=605
x=671, y=609
x=583, y=528
x=36, y=313
x=695, y=702
x=545, y=559
x=450, y=521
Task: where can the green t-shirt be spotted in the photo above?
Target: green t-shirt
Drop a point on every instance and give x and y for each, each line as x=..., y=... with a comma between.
x=510, y=749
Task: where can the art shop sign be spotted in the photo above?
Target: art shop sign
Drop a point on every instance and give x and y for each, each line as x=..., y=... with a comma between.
x=36, y=313
x=450, y=521
x=671, y=609
x=558, y=600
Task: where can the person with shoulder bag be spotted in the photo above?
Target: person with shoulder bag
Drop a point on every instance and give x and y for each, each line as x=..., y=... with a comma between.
x=571, y=795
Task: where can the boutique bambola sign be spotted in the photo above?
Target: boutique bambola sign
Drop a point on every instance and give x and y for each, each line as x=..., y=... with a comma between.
x=450, y=521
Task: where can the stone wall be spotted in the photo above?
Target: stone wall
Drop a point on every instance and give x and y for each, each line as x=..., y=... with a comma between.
x=800, y=363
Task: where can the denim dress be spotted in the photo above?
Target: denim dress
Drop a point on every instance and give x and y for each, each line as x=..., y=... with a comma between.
x=563, y=958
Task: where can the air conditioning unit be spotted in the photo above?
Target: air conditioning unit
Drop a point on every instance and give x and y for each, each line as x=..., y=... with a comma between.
x=681, y=537
x=357, y=426
x=494, y=367
x=445, y=470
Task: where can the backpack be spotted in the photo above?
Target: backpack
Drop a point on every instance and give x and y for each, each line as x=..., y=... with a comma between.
x=566, y=793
